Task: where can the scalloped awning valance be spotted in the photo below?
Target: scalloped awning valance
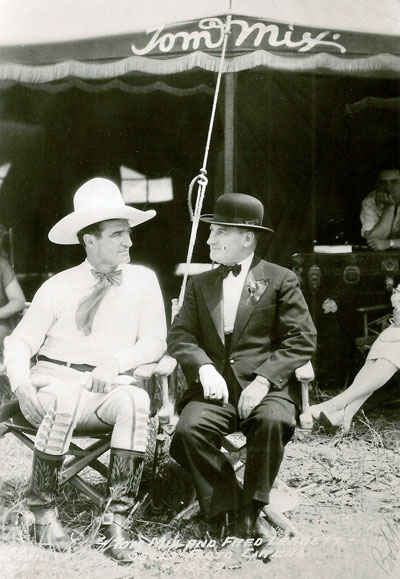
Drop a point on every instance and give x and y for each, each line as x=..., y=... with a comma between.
x=253, y=43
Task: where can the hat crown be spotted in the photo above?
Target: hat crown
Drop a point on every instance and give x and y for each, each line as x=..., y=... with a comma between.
x=96, y=200
x=239, y=208
x=98, y=192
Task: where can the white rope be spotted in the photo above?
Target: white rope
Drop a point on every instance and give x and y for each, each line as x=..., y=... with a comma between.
x=201, y=179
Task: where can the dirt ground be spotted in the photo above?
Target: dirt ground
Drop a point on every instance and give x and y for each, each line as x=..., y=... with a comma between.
x=347, y=517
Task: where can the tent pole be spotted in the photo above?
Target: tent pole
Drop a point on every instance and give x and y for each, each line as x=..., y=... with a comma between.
x=229, y=131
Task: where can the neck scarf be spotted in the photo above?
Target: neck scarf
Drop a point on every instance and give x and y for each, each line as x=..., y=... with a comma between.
x=89, y=305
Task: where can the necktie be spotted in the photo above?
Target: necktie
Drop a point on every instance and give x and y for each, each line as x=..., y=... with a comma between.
x=225, y=269
x=88, y=306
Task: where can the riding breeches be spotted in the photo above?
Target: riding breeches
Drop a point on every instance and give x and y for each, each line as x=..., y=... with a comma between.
x=68, y=405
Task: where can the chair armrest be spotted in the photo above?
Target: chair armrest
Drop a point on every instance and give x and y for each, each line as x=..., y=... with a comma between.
x=145, y=371
x=305, y=373
x=165, y=366
x=163, y=369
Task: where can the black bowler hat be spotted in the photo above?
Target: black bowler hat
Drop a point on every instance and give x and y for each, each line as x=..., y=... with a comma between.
x=239, y=210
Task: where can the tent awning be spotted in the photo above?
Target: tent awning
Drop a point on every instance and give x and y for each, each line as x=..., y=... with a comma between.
x=253, y=42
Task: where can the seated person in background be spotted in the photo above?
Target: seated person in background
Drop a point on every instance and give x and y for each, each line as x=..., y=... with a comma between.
x=86, y=326
x=380, y=214
x=12, y=299
x=382, y=362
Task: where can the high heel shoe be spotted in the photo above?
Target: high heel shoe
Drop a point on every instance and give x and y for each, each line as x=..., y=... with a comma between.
x=331, y=419
x=318, y=409
x=336, y=420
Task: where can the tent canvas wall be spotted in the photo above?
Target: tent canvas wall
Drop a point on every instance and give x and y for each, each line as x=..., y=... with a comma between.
x=294, y=126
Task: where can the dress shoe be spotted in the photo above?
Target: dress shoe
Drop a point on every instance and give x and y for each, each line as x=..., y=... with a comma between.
x=250, y=538
x=331, y=418
x=263, y=530
x=317, y=409
x=336, y=420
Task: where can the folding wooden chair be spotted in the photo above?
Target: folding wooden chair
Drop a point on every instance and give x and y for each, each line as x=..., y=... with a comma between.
x=235, y=443
x=13, y=422
x=154, y=375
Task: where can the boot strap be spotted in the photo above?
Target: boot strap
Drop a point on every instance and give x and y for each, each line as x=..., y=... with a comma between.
x=112, y=518
x=106, y=519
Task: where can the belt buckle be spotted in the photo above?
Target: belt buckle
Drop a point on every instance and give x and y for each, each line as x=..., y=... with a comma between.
x=107, y=519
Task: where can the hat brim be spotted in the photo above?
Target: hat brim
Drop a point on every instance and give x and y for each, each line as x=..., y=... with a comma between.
x=210, y=219
x=65, y=231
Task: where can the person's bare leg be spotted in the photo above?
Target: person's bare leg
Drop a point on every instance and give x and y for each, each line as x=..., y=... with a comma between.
x=373, y=375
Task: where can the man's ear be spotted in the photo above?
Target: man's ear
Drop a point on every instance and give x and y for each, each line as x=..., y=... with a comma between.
x=248, y=238
x=88, y=240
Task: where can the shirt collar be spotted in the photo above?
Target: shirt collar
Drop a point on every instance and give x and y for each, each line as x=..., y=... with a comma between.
x=87, y=267
x=245, y=263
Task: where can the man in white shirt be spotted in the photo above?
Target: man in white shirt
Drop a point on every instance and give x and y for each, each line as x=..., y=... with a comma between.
x=87, y=327
x=242, y=331
x=380, y=214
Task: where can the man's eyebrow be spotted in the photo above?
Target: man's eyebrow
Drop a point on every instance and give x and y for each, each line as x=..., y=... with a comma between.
x=122, y=230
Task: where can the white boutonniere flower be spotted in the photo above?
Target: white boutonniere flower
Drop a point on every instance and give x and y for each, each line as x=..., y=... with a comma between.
x=255, y=289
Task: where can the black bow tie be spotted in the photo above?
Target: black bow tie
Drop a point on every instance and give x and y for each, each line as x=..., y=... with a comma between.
x=225, y=269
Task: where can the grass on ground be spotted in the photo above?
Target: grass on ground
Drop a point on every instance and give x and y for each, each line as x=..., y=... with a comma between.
x=348, y=516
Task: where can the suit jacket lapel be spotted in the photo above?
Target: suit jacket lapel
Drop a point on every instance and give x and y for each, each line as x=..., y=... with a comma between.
x=246, y=304
x=212, y=292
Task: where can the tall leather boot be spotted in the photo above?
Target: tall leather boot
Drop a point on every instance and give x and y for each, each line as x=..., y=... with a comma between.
x=47, y=529
x=124, y=476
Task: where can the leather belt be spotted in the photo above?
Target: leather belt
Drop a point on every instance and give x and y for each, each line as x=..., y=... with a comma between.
x=79, y=367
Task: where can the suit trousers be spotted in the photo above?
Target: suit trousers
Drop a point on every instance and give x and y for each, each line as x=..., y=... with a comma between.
x=197, y=442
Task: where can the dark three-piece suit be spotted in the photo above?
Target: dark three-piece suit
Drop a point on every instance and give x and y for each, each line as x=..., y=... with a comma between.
x=273, y=335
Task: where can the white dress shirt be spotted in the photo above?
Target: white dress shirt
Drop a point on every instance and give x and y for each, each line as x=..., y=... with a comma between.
x=129, y=324
x=232, y=289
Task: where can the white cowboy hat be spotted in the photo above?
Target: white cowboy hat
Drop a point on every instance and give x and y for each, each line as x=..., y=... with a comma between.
x=96, y=200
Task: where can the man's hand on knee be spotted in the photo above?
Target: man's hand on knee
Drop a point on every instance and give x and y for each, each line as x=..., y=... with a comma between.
x=214, y=385
x=29, y=403
x=105, y=375
x=251, y=396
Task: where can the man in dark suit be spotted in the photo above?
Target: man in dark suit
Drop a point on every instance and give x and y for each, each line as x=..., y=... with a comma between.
x=241, y=333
